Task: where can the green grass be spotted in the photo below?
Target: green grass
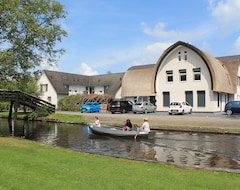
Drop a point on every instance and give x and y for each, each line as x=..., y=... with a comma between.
x=29, y=165
x=67, y=117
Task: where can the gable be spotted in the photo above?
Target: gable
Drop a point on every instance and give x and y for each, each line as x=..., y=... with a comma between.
x=221, y=80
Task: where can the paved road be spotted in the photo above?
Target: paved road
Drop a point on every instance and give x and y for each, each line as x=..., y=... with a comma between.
x=163, y=120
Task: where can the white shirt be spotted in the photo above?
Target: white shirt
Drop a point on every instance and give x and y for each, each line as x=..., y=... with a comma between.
x=145, y=126
x=97, y=123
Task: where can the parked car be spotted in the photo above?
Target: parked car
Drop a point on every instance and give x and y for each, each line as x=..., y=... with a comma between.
x=179, y=107
x=232, y=107
x=143, y=107
x=90, y=107
x=122, y=106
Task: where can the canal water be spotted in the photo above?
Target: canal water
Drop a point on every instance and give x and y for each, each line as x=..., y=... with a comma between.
x=194, y=150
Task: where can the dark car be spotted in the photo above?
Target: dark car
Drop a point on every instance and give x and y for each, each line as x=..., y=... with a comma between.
x=122, y=106
x=232, y=107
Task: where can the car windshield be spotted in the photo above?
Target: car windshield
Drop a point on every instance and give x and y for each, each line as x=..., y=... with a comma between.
x=175, y=104
x=138, y=103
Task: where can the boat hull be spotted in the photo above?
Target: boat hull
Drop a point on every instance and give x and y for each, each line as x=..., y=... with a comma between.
x=119, y=133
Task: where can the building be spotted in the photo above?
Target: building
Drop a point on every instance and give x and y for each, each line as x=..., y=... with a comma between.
x=55, y=85
x=183, y=72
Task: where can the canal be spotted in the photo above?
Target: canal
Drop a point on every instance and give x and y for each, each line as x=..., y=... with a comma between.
x=194, y=150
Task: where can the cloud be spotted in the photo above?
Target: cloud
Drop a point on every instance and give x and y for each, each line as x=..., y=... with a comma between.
x=159, y=31
x=227, y=14
x=45, y=65
x=86, y=70
x=237, y=45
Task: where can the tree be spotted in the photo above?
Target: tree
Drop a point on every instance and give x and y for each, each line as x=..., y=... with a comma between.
x=29, y=31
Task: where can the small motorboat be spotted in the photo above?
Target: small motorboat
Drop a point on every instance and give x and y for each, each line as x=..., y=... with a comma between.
x=119, y=132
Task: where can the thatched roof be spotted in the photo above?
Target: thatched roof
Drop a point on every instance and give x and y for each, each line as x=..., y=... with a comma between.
x=60, y=79
x=232, y=64
x=137, y=81
x=221, y=76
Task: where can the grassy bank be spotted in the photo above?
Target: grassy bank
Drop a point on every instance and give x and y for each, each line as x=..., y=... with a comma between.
x=29, y=165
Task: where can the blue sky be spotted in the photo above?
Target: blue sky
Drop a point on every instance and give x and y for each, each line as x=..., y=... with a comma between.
x=113, y=35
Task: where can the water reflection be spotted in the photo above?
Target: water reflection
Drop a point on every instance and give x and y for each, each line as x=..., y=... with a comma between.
x=221, y=152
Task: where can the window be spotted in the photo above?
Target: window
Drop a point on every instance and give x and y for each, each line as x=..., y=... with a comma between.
x=197, y=73
x=185, y=55
x=183, y=74
x=66, y=86
x=179, y=56
x=49, y=98
x=44, y=87
x=201, y=98
x=169, y=75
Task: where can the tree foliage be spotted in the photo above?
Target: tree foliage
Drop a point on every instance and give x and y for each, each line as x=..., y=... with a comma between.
x=29, y=33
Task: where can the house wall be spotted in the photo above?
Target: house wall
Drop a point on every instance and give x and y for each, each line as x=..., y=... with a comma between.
x=178, y=88
x=237, y=95
x=98, y=90
x=73, y=90
x=50, y=95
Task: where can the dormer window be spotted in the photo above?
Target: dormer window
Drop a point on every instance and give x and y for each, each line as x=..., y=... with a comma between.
x=169, y=74
x=183, y=74
x=197, y=73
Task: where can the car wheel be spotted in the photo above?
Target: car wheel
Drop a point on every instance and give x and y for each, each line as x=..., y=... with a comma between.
x=145, y=111
x=183, y=112
x=190, y=111
x=124, y=111
x=113, y=112
x=229, y=112
x=169, y=113
x=134, y=112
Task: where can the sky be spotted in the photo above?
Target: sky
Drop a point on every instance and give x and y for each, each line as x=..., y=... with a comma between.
x=113, y=35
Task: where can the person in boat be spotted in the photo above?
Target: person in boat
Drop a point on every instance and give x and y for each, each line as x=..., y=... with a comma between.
x=128, y=125
x=97, y=122
x=144, y=128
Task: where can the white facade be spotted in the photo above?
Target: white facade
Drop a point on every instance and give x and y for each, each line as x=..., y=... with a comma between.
x=48, y=92
x=203, y=98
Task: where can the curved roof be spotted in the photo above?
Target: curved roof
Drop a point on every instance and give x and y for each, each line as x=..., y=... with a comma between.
x=221, y=80
x=137, y=81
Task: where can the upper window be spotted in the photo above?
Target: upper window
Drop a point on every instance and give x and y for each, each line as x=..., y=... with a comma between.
x=197, y=73
x=185, y=55
x=169, y=75
x=183, y=74
x=44, y=87
x=179, y=56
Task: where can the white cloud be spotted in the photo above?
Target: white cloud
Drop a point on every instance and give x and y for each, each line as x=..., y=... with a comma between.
x=227, y=15
x=159, y=31
x=237, y=45
x=45, y=65
x=86, y=70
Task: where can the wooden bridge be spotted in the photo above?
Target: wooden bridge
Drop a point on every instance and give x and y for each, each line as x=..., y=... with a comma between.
x=17, y=98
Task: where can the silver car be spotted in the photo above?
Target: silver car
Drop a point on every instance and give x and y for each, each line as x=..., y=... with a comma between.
x=143, y=107
x=179, y=107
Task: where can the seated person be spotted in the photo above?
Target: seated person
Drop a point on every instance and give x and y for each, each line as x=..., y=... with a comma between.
x=128, y=125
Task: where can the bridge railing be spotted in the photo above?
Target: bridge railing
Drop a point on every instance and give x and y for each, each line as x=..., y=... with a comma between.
x=25, y=99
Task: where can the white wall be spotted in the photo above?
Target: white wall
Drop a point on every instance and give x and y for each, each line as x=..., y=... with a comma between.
x=177, y=88
x=50, y=92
